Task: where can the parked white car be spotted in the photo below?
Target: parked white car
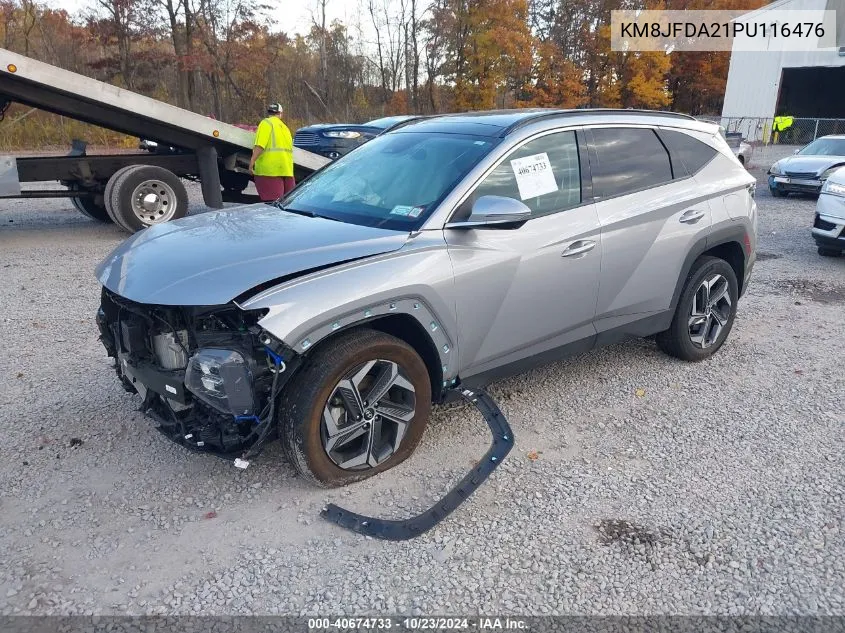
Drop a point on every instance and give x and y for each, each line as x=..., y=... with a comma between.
x=829, y=225
x=741, y=149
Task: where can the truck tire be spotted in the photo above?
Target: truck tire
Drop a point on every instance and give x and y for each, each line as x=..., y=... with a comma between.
x=93, y=207
x=107, y=196
x=142, y=195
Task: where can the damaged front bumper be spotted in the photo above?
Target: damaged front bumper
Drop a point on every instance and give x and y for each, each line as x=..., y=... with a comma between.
x=209, y=376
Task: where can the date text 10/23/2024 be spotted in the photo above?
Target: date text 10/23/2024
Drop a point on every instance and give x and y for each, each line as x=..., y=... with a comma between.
x=417, y=623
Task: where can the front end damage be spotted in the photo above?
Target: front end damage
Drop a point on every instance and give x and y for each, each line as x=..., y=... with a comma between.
x=210, y=376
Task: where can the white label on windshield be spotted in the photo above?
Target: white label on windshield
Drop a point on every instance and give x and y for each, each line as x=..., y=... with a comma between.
x=534, y=175
x=401, y=209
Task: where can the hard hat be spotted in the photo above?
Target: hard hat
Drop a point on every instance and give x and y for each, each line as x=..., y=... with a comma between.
x=275, y=108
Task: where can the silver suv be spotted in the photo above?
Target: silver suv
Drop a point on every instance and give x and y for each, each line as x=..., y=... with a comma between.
x=453, y=251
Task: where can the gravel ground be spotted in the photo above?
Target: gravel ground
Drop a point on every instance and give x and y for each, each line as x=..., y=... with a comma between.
x=638, y=485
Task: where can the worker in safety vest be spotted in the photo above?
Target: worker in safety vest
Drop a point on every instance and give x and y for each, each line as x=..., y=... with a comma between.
x=779, y=125
x=272, y=156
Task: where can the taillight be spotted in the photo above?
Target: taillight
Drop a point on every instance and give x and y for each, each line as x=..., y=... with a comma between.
x=752, y=189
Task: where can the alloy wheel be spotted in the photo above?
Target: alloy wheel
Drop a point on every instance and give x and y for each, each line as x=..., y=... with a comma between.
x=367, y=414
x=710, y=311
x=154, y=201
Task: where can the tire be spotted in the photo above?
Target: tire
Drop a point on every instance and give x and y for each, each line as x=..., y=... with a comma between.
x=331, y=460
x=93, y=208
x=132, y=189
x=107, y=196
x=828, y=252
x=777, y=193
x=683, y=339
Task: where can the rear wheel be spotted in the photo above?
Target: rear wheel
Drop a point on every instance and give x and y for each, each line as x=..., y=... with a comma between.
x=358, y=407
x=142, y=195
x=829, y=252
x=107, y=196
x=93, y=207
x=705, y=312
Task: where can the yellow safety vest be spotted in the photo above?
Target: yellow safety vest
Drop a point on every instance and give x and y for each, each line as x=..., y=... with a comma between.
x=277, y=157
x=782, y=123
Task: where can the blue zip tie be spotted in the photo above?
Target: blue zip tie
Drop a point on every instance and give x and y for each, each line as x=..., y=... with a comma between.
x=278, y=360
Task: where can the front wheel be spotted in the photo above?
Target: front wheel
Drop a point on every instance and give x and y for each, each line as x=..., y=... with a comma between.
x=829, y=252
x=705, y=312
x=359, y=406
x=777, y=193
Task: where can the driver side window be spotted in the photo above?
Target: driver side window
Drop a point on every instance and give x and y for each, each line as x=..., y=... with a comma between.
x=545, y=174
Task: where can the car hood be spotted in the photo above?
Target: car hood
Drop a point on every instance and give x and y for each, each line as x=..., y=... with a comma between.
x=809, y=164
x=211, y=258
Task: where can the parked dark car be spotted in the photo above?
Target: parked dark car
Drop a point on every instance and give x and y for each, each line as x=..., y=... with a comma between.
x=333, y=140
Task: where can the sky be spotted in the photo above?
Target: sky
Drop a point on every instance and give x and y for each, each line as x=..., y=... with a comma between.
x=292, y=16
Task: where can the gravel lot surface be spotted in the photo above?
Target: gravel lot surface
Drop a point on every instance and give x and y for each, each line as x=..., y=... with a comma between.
x=638, y=484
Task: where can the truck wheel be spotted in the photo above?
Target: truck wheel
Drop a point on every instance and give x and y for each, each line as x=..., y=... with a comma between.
x=142, y=195
x=107, y=196
x=357, y=407
x=93, y=207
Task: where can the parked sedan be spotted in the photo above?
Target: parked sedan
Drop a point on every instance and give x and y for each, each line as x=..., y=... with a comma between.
x=333, y=140
x=442, y=255
x=741, y=149
x=829, y=225
x=807, y=170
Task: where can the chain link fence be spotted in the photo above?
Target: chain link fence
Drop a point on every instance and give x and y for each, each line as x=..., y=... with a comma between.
x=770, y=145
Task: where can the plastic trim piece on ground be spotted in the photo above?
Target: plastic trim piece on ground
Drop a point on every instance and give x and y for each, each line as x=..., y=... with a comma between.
x=392, y=530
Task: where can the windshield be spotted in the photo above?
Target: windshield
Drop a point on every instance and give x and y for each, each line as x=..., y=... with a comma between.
x=387, y=121
x=825, y=147
x=394, y=181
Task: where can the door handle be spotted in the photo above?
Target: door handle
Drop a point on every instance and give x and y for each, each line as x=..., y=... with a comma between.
x=579, y=247
x=691, y=217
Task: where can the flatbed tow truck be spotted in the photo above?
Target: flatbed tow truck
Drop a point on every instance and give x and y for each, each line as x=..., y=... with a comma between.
x=133, y=190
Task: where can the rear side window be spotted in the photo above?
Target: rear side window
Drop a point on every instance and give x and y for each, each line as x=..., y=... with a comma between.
x=688, y=154
x=629, y=159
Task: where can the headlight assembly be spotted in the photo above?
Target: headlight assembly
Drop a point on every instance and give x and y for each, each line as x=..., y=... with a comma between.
x=342, y=134
x=775, y=170
x=828, y=172
x=222, y=379
x=834, y=188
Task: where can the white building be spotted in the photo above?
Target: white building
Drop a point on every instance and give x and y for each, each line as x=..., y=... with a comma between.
x=802, y=84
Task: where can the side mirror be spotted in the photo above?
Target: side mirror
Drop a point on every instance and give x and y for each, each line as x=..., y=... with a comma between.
x=494, y=211
x=796, y=151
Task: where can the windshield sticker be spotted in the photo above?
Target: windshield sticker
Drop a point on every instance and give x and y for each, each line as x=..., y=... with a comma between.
x=402, y=209
x=534, y=175
x=415, y=212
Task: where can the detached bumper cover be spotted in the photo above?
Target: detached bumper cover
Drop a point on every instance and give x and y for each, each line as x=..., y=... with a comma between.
x=392, y=530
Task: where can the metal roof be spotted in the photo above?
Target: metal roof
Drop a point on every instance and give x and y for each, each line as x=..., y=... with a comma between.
x=500, y=123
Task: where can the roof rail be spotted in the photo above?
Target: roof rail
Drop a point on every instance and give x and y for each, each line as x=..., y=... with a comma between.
x=539, y=116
